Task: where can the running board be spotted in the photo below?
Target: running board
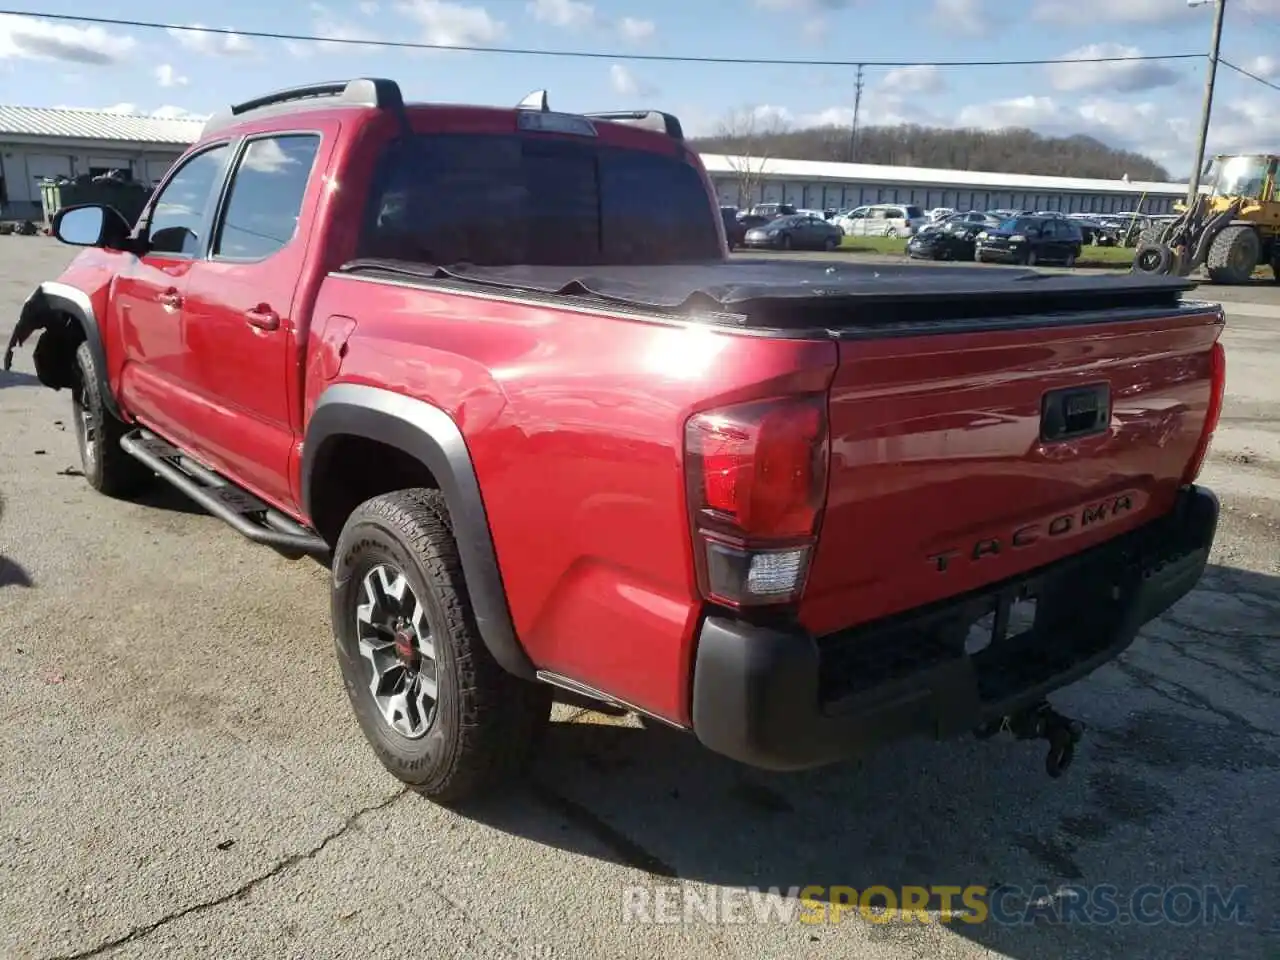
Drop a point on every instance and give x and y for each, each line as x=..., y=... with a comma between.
x=237, y=507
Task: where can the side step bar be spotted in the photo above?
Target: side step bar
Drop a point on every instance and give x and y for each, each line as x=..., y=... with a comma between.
x=242, y=510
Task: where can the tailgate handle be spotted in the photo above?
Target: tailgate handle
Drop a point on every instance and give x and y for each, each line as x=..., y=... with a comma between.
x=1075, y=412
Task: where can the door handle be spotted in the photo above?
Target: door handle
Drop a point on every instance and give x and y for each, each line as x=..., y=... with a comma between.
x=170, y=299
x=262, y=317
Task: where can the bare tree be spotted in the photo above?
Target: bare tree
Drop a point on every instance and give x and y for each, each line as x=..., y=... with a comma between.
x=748, y=135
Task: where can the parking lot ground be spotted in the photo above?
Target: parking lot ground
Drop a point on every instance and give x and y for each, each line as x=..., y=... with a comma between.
x=181, y=777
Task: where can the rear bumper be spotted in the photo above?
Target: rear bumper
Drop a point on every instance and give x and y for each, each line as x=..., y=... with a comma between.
x=783, y=700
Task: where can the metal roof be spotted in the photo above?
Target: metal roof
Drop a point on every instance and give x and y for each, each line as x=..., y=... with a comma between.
x=811, y=170
x=96, y=125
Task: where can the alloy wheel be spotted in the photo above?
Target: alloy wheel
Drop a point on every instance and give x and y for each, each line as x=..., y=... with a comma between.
x=396, y=640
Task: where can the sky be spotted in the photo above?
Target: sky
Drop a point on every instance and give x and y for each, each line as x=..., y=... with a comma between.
x=1152, y=107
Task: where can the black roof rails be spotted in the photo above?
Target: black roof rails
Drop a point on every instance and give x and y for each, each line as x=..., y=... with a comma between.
x=654, y=120
x=378, y=93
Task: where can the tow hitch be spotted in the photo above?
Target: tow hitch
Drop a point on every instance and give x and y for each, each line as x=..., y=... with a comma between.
x=1041, y=722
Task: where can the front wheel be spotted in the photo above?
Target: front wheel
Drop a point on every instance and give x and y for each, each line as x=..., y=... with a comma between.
x=785, y=241
x=106, y=466
x=438, y=710
x=830, y=243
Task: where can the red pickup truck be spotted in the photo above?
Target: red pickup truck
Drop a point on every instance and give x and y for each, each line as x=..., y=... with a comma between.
x=498, y=366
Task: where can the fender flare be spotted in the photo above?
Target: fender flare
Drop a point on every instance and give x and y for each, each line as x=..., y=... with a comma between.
x=430, y=436
x=48, y=301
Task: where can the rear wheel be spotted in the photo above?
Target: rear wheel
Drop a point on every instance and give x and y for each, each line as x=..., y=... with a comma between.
x=1233, y=255
x=106, y=466
x=438, y=710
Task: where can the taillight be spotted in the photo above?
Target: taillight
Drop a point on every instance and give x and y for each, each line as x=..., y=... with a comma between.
x=756, y=477
x=1217, y=390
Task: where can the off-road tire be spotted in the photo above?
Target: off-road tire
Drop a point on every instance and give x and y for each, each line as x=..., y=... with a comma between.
x=1233, y=255
x=106, y=466
x=487, y=721
x=1153, y=258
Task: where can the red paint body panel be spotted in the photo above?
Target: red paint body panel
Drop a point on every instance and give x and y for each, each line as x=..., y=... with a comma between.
x=935, y=446
x=575, y=423
x=574, y=418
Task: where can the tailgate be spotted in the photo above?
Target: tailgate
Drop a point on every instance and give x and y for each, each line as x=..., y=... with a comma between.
x=961, y=459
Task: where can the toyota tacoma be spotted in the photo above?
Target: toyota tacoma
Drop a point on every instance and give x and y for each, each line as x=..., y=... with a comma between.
x=497, y=367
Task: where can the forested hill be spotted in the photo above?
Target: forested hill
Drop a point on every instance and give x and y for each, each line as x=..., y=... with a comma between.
x=996, y=151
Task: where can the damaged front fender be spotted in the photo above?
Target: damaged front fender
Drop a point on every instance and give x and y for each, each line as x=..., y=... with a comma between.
x=63, y=317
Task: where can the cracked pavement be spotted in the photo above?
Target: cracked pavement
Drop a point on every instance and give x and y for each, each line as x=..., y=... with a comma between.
x=181, y=775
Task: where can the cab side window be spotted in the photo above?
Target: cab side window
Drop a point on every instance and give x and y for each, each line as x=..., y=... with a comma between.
x=265, y=200
x=182, y=207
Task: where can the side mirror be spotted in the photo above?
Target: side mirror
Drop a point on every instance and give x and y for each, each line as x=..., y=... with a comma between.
x=90, y=225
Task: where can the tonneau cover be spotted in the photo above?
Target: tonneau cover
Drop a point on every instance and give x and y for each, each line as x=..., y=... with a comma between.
x=749, y=286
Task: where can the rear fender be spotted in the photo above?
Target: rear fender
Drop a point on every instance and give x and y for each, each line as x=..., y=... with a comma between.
x=431, y=437
x=63, y=316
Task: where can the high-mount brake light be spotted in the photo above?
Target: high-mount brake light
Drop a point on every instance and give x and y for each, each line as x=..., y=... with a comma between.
x=1217, y=392
x=756, y=477
x=545, y=122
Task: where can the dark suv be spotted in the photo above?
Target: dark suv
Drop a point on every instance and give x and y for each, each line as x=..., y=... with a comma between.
x=1030, y=240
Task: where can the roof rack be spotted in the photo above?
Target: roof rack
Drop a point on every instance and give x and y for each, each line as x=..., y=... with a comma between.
x=378, y=93
x=654, y=120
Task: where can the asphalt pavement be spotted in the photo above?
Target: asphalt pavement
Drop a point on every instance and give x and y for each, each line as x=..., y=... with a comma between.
x=181, y=776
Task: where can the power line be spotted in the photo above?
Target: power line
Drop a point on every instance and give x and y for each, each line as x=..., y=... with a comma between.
x=586, y=54
x=1252, y=76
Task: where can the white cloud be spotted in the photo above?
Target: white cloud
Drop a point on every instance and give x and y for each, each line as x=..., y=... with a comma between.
x=909, y=81
x=28, y=38
x=133, y=110
x=453, y=24
x=368, y=7
x=1239, y=126
x=970, y=17
x=636, y=30
x=1149, y=12
x=1118, y=76
x=167, y=76
x=1263, y=66
x=626, y=83
x=177, y=113
x=570, y=14
x=325, y=25
x=213, y=44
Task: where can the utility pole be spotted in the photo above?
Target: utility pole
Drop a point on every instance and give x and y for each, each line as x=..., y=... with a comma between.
x=857, y=105
x=1193, y=183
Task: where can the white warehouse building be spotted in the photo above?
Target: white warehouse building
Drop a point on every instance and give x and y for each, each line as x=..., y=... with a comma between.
x=38, y=143
x=742, y=182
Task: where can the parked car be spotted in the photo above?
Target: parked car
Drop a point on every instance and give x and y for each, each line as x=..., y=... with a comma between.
x=882, y=220
x=1030, y=240
x=772, y=210
x=778, y=523
x=734, y=229
x=796, y=232
x=939, y=213
x=961, y=221
x=951, y=240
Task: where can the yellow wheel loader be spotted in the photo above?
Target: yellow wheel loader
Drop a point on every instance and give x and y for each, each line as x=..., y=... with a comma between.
x=1230, y=231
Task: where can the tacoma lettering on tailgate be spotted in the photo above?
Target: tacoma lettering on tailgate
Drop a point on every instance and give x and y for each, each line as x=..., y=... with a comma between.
x=1030, y=534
